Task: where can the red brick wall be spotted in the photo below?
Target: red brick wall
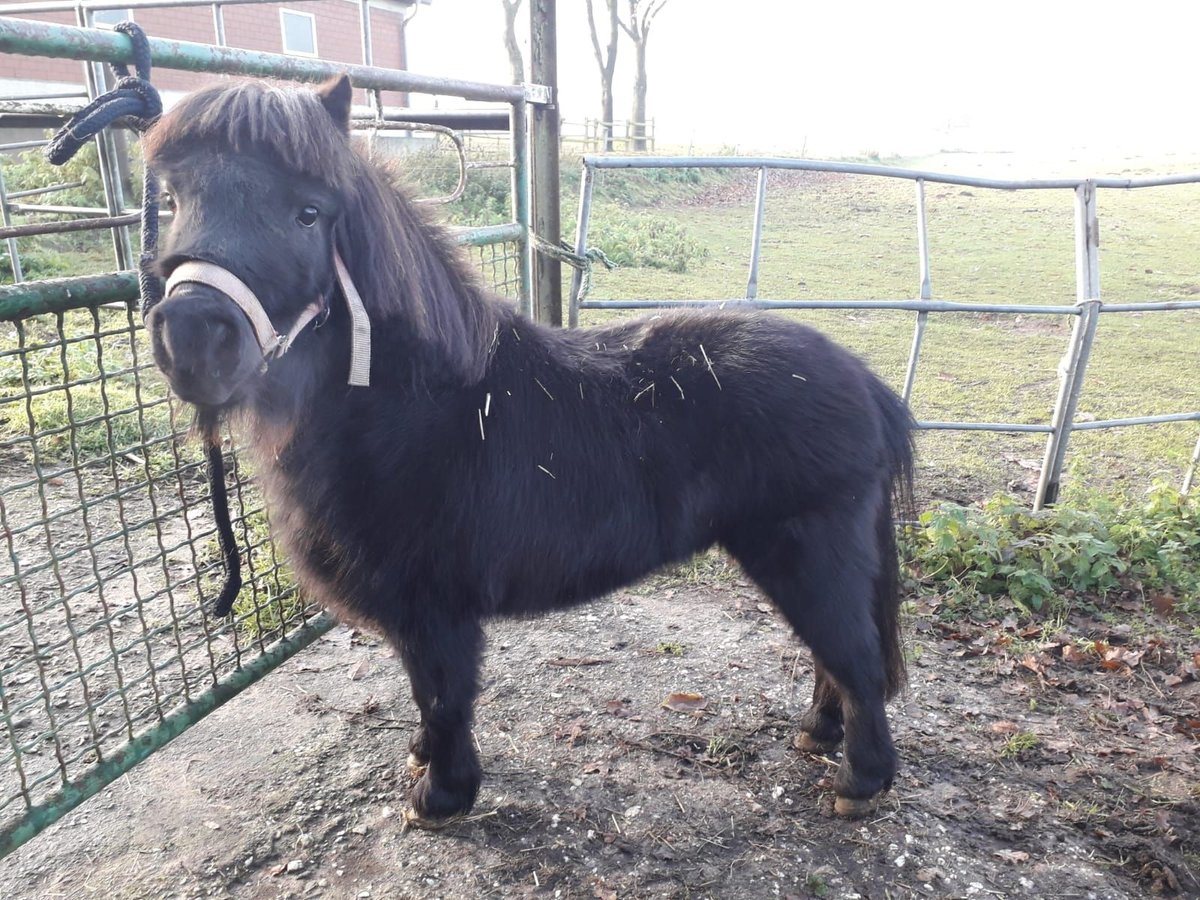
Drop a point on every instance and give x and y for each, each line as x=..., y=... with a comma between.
x=252, y=27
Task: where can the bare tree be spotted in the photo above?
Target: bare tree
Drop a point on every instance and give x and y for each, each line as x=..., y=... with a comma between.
x=515, y=59
x=607, y=61
x=638, y=29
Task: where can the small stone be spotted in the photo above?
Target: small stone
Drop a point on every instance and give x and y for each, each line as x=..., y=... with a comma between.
x=359, y=829
x=295, y=865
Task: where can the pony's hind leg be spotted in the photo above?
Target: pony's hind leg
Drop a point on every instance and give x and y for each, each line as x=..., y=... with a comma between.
x=821, y=727
x=442, y=660
x=820, y=570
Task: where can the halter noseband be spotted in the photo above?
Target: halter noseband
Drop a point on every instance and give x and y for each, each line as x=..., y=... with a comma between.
x=271, y=341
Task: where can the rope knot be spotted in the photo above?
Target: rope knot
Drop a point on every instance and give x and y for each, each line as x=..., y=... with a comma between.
x=134, y=100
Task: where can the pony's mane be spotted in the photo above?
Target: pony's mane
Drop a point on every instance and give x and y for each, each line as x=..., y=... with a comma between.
x=405, y=267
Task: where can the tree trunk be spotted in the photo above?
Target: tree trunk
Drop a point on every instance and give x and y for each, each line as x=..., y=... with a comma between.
x=515, y=60
x=638, y=118
x=606, y=60
x=638, y=29
x=606, y=114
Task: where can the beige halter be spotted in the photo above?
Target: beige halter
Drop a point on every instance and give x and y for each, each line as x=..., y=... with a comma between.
x=272, y=342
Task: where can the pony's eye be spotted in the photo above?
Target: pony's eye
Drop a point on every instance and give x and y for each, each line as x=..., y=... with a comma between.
x=166, y=200
x=308, y=216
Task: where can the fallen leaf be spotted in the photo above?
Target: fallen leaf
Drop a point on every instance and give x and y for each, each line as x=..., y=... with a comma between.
x=1032, y=664
x=1012, y=856
x=1005, y=727
x=1163, y=604
x=359, y=669
x=617, y=708
x=1072, y=654
x=685, y=702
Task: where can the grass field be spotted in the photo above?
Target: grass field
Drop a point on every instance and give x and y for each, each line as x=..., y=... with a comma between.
x=852, y=237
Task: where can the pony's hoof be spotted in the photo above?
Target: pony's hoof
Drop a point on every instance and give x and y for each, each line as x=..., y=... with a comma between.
x=806, y=743
x=416, y=768
x=854, y=808
x=413, y=819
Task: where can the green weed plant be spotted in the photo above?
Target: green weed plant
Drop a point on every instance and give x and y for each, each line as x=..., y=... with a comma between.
x=1094, y=548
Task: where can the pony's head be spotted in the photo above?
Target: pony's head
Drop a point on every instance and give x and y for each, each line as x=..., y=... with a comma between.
x=255, y=175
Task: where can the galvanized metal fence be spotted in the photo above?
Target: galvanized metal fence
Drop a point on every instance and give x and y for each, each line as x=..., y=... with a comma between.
x=108, y=543
x=1086, y=311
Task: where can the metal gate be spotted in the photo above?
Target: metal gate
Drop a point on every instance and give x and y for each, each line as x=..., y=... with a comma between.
x=1086, y=311
x=106, y=537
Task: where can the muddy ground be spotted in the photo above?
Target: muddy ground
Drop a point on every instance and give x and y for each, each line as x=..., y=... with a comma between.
x=1039, y=760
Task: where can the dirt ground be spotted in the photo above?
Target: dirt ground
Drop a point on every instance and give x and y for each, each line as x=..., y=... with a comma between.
x=1045, y=760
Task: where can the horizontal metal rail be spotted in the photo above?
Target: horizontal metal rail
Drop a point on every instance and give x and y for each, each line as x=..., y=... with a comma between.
x=34, y=298
x=912, y=305
x=32, y=38
x=49, y=189
x=49, y=209
x=93, y=223
x=22, y=145
x=66, y=95
x=1136, y=420
x=817, y=165
x=1004, y=427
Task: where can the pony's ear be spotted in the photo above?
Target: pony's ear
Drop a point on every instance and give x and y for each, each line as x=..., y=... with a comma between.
x=336, y=95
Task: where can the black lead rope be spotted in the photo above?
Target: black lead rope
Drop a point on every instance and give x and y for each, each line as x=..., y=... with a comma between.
x=229, y=550
x=136, y=101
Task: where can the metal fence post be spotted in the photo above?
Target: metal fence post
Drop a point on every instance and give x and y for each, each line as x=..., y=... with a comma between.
x=1074, y=365
x=520, y=201
x=586, y=185
x=219, y=24
x=760, y=201
x=14, y=254
x=545, y=135
x=914, y=354
x=1191, y=472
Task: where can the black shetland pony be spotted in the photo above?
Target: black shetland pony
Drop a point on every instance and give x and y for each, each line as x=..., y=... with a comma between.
x=497, y=467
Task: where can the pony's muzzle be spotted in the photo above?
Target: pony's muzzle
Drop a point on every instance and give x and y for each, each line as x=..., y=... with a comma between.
x=203, y=344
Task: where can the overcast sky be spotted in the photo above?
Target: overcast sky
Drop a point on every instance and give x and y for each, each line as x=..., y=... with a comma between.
x=1056, y=78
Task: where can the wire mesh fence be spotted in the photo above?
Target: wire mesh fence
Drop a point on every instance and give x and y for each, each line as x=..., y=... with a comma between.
x=109, y=553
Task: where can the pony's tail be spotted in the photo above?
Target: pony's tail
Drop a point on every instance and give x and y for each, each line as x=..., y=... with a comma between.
x=898, y=445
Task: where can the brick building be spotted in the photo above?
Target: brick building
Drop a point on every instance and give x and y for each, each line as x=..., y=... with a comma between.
x=328, y=29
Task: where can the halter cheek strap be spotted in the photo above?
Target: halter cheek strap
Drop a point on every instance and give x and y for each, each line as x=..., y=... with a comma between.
x=272, y=342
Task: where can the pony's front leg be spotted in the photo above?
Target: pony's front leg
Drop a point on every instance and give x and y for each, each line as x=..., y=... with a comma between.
x=442, y=659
